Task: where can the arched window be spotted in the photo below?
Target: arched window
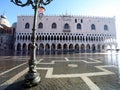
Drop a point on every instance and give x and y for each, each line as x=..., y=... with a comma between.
x=78, y=26
x=75, y=20
x=27, y=26
x=20, y=37
x=29, y=37
x=40, y=25
x=17, y=37
x=92, y=27
x=105, y=27
x=66, y=26
x=54, y=26
x=81, y=21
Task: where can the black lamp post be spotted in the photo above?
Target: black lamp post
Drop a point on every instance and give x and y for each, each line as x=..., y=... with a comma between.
x=32, y=77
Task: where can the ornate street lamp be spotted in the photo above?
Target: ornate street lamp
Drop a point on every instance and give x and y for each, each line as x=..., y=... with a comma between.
x=32, y=77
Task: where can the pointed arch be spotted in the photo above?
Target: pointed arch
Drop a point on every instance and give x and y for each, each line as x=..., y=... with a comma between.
x=93, y=27
x=47, y=46
x=78, y=26
x=41, y=46
x=70, y=46
x=59, y=46
x=54, y=25
x=29, y=46
x=88, y=48
x=105, y=27
x=27, y=25
x=40, y=25
x=82, y=48
x=99, y=47
x=24, y=47
x=18, y=47
x=93, y=48
x=77, y=48
x=66, y=26
x=53, y=47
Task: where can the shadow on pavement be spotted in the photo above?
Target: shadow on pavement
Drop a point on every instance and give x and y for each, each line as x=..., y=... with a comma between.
x=17, y=86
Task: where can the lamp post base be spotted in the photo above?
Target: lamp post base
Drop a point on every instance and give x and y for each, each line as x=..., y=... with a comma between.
x=32, y=79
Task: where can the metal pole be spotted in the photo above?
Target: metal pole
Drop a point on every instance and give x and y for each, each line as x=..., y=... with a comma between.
x=32, y=78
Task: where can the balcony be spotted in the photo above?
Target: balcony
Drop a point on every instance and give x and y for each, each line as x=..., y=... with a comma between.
x=66, y=30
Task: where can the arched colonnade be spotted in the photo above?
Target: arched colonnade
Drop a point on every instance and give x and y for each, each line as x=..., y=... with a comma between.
x=60, y=47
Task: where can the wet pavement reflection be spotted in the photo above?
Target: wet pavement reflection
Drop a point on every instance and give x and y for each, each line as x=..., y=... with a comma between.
x=9, y=60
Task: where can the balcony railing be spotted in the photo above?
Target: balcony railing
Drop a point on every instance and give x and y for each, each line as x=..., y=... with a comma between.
x=66, y=30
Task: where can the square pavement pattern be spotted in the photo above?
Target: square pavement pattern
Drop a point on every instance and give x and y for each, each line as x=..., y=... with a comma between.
x=71, y=72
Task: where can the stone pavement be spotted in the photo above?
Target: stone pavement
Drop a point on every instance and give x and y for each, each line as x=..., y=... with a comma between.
x=70, y=72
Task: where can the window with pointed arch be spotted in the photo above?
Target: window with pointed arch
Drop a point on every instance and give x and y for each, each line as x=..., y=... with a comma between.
x=40, y=25
x=27, y=25
x=78, y=26
x=54, y=25
x=106, y=27
x=93, y=27
x=66, y=26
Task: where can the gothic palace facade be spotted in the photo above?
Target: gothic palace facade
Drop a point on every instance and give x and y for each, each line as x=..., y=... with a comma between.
x=66, y=33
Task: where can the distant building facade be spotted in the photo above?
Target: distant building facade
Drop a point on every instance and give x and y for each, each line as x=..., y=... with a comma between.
x=6, y=34
x=66, y=33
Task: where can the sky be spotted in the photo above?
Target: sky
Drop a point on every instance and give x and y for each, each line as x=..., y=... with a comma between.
x=101, y=8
